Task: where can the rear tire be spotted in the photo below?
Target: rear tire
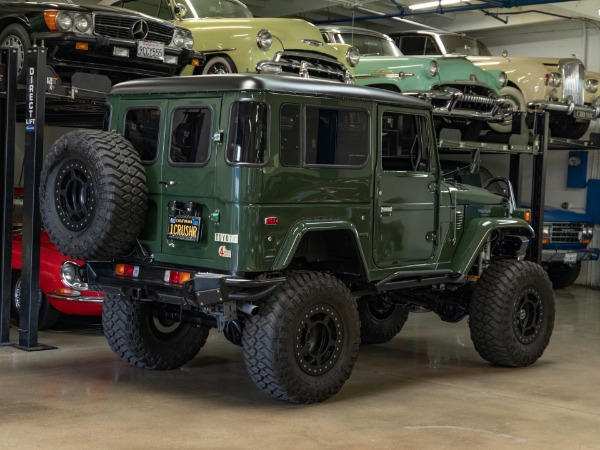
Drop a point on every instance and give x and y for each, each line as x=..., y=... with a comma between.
x=563, y=275
x=48, y=314
x=139, y=336
x=512, y=313
x=303, y=343
x=380, y=320
x=93, y=195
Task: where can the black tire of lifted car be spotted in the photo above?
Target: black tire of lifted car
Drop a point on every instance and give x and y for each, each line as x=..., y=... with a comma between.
x=563, y=126
x=93, y=195
x=48, y=314
x=143, y=338
x=380, y=320
x=512, y=313
x=304, y=341
x=563, y=275
x=17, y=37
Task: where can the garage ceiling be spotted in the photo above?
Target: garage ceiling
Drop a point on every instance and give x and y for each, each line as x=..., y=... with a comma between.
x=458, y=16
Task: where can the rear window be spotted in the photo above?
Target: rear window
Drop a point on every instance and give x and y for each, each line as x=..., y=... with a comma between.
x=248, y=133
x=190, y=136
x=141, y=129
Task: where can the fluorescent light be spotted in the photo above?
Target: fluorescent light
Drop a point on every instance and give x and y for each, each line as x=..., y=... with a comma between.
x=430, y=5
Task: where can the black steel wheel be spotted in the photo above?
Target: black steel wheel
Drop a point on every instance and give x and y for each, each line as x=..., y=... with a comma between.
x=380, y=319
x=16, y=36
x=141, y=336
x=512, y=313
x=303, y=343
x=563, y=275
x=93, y=194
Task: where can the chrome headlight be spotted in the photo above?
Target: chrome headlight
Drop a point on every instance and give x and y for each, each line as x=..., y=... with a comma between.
x=177, y=40
x=553, y=79
x=264, y=40
x=591, y=85
x=64, y=21
x=546, y=231
x=188, y=40
x=553, y=95
x=353, y=56
x=82, y=23
x=503, y=79
x=69, y=273
x=434, y=69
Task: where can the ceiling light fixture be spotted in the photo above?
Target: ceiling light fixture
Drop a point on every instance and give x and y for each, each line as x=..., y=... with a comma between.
x=431, y=5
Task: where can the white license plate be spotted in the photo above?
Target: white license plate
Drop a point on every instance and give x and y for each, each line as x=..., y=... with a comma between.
x=588, y=115
x=151, y=50
x=570, y=257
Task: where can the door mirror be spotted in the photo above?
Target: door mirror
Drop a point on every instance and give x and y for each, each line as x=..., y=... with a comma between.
x=475, y=160
x=179, y=10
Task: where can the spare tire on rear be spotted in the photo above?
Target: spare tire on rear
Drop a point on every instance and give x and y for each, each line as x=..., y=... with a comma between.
x=93, y=195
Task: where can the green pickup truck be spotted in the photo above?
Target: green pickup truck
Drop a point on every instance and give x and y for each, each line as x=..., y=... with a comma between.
x=299, y=217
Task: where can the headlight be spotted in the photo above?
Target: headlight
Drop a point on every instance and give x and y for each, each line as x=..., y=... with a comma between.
x=591, y=85
x=264, y=40
x=353, y=56
x=64, y=22
x=178, y=38
x=546, y=230
x=82, y=23
x=188, y=40
x=553, y=95
x=503, y=79
x=434, y=69
x=69, y=273
x=553, y=79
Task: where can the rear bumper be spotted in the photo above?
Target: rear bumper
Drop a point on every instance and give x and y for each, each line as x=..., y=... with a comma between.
x=582, y=112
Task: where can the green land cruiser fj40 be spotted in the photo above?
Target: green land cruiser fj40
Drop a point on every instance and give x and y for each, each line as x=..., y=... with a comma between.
x=299, y=217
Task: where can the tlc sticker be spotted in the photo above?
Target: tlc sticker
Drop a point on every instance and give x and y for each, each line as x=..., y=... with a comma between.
x=224, y=252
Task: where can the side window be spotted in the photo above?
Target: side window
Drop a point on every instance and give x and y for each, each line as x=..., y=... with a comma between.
x=430, y=47
x=248, y=132
x=290, y=152
x=412, y=45
x=336, y=136
x=404, y=142
x=141, y=129
x=190, y=136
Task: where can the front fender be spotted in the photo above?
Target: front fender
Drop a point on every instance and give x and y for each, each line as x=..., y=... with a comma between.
x=476, y=235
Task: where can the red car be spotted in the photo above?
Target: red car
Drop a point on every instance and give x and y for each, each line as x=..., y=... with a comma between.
x=62, y=290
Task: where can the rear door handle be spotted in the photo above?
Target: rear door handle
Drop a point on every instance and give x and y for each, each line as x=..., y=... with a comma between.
x=386, y=211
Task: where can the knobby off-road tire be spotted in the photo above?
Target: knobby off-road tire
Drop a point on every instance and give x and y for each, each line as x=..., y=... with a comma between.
x=303, y=343
x=380, y=320
x=146, y=340
x=93, y=195
x=512, y=313
x=48, y=315
x=563, y=275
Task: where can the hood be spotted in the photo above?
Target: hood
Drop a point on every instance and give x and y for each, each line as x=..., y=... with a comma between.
x=459, y=69
x=562, y=215
x=472, y=195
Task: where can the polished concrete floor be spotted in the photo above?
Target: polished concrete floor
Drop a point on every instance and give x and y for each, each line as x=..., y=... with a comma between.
x=427, y=388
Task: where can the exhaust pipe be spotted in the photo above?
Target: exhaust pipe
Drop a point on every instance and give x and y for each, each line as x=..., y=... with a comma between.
x=247, y=308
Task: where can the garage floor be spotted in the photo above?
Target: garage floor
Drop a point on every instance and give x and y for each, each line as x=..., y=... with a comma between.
x=427, y=388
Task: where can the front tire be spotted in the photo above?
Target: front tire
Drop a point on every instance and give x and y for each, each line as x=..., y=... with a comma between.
x=512, y=313
x=380, y=320
x=567, y=127
x=93, y=195
x=48, y=315
x=146, y=339
x=302, y=345
x=563, y=275
x=218, y=65
x=516, y=99
x=15, y=36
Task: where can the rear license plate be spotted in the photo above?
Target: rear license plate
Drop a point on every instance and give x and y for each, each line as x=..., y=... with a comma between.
x=587, y=115
x=184, y=228
x=570, y=257
x=151, y=50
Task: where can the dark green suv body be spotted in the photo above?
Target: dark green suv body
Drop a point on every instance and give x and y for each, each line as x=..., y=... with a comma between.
x=297, y=216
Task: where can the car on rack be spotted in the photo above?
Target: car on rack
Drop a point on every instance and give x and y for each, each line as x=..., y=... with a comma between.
x=562, y=86
x=566, y=235
x=258, y=45
x=463, y=95
x=93, y=47
x=300, y=217
x=62, y=290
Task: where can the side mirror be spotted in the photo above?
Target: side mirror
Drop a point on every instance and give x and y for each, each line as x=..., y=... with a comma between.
x=179, y=10
x=475, y=160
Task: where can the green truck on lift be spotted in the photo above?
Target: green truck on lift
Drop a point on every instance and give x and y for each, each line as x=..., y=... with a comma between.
x=299, y=217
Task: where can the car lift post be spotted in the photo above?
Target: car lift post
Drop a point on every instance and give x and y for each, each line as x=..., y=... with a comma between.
x=8, y=86
x=538, y=186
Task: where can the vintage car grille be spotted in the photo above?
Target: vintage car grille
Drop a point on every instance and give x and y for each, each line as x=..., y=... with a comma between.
x=475, y=97
x=566, y=232
x=316, y=65
x=572, y=71
x=117, y=26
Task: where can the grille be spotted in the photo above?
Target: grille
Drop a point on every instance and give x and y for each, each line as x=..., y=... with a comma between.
x=474, y=97
x=566, y=232
x=317, y=65
x=117, y=26
x=572, y=71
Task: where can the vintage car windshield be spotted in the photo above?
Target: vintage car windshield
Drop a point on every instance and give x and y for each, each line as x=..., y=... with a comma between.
x=195, y=9
x=371, y=45
x=463, y=45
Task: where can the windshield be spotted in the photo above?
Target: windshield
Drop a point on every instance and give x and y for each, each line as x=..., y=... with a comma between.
x=463, y=45
x=371, y=45
x=195, y=9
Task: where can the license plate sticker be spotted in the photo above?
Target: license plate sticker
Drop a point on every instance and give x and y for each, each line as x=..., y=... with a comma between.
x=184, y=228
x=570, y=257
x=151, y=50
x=588, y=115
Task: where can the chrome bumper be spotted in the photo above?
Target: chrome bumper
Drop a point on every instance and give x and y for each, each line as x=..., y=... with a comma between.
x=571, y=109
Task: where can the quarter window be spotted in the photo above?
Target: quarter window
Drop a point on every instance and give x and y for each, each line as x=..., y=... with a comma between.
x=248, y=131
x=190, y=136
x=141, y=129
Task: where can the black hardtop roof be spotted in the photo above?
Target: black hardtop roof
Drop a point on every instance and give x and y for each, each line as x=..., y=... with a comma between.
x=255, y=82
